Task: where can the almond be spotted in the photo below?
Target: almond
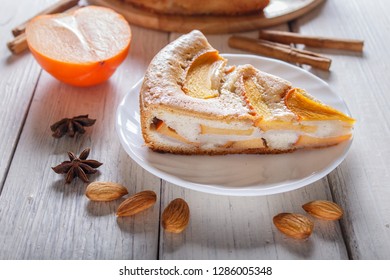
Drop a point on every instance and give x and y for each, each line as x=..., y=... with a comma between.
x=105, y=191
x=294, y=225
x=136, y=203
x=323, y=209
x=176, y=216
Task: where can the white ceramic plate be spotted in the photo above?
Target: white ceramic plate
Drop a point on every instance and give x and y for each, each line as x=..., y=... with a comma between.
x=241, y=175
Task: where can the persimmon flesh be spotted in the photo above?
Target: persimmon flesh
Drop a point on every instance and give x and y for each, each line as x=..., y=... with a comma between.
x=82, y=48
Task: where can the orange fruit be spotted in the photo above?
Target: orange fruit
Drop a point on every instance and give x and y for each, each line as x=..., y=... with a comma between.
x=82, y=48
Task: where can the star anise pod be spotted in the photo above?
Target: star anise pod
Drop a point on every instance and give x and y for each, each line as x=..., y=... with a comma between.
x=71, y=126
x=77, y=166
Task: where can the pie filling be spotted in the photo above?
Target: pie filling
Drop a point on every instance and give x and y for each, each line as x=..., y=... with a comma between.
x=175, y=129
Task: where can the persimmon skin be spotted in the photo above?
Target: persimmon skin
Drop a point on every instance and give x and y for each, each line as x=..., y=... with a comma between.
x=81, y=73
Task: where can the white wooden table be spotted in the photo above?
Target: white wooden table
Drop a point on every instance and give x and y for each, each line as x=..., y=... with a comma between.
x=42, y=218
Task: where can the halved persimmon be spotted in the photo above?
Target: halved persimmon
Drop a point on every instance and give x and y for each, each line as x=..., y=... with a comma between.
x=82, y=48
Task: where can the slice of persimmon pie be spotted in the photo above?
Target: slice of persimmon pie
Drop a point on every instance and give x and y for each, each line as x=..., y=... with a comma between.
x=191, y=102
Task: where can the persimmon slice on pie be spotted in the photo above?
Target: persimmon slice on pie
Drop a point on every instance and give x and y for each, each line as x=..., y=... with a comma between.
x=192, y=102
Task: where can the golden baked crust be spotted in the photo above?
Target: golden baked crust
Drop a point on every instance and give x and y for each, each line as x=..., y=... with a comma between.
x=165, y=76
x=201, y=7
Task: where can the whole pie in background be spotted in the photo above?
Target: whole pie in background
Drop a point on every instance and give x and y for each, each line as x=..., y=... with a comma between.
x=201, y=7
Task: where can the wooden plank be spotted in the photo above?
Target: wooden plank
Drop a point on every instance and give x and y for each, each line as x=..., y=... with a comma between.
x=43, y=218
x=223, y=227
x=18, y=77
x=361, y=185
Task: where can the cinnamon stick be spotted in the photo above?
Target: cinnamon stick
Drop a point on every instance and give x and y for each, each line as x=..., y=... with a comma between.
x=18, y=45
x=57, y=7
x=311, y=41
x=279, y=51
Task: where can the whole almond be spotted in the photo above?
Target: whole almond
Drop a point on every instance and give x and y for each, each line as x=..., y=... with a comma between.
x=294, y=225
x=136, y=203
x=105, y=191
x=176, y=216
x=323, y=209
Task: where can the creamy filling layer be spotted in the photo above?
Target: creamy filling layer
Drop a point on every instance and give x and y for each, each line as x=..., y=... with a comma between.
x=213, y=134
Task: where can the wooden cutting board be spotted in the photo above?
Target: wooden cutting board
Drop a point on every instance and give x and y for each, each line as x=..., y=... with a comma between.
x=277, y=12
